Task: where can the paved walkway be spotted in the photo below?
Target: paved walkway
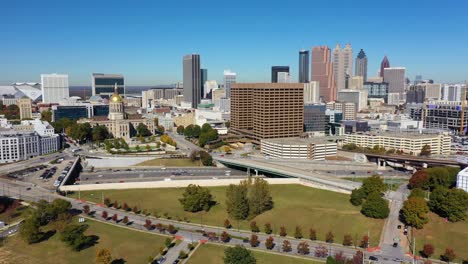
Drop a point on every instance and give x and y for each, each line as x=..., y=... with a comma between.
x=173, y=252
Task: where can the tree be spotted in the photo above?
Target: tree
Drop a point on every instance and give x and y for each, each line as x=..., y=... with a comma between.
x=115, y=218
x=286, y=246
x=107, y=202
x=135, y=210
x=417, y=192
x=420, y=179
x=312, y=234
x=46, y=115
x=357, y=196
x=99, y=134
x=196, y=198
x=268, y=228
x=269, y=243
x=375, y=206
x=298, y=232
x=188, y=131
x=425, y=151
x=283, y=231
x=171, y=229
x=259, y=197
x=227, y=224
x=428, y=250
x=148, y=224
x=125, y=220
x=148, y=148
x=115, y=204
x=254, y=240
x=373, y=184
x=30, y=230
x=103, y=256
x=193, y=155
x=254, y=227
x=168, y=242
x=86, y=209
x=340, y=258
x=182, y=255
x=196, y=131
x=452, y=204
x=321, y=251
x=238, y=255
x=347, y=240
x=364, y=242
x=206, y=158
x=142, y=130
x=180, y=130
x=329, y=237
x=236, y=201
x=449, y=255
x=358, y=257
x=73, y=236
x=225, y=237
x=104, y=215
x=414, y=212
x=137, y=148
x=442, y=176
x=303, y=248
x=125, y=207
x=331, y=260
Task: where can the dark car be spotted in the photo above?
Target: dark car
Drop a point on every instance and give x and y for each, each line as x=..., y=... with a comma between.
x=399, y=226
x=176, y=261
x=395, y=244
x=374, y=258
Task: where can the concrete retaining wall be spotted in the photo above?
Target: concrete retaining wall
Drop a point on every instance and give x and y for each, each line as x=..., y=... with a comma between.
x=167, y=184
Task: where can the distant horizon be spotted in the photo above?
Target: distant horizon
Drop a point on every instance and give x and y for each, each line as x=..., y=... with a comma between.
x=146, y=42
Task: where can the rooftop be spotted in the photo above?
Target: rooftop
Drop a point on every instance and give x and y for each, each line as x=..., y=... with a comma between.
x=297, y=140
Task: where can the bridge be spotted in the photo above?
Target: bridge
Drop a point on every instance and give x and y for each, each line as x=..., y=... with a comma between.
x=420, y=162
x=271, y=169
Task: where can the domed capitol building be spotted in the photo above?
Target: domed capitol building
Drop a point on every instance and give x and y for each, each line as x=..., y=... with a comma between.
x=118, y=123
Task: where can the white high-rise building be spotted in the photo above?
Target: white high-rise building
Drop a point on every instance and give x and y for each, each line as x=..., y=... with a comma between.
x=209, y=86
x=453, y=92
x=311, y=92
x=284, y=77
x=54, y=87
x=229, y=77
x=395, y=77
x=342, y=65
x=433, y=91
x=358, y=97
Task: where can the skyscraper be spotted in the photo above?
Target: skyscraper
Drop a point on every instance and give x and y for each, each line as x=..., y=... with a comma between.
x=103, y=84
x=395, y=77
x=229, y=77
x=361, y=65
x=192, y=79
x=203, y=79
x=275, y=70
x=304, y=66
x=322, y=72
x=385, y=64
x=342, y=65
x=54, y=88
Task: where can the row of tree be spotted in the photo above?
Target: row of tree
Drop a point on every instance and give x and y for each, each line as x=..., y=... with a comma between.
x=369, y=195
x=425, y=150
x=204, y=134
x=168, y=140
x=204, y=156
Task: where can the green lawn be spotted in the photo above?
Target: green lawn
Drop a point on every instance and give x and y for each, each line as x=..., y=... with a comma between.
x=132, y=246
x=442, y=235
x=170, y=163
x=293, y=205
x=213, y=254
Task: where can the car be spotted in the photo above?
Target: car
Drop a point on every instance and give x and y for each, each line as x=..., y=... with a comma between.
x=395, y=244
x=405, y=233
x=161, y=260
x=353, y=172
x=176, y=261
x=28, y=189
x=399, y=226
x=374, y=258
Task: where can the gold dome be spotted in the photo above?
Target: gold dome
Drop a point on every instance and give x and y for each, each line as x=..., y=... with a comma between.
x=116, y=98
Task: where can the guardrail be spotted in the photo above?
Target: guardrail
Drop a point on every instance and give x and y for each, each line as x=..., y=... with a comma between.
x=76, y=165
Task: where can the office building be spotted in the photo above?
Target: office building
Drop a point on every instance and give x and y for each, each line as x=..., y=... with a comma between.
x=229, y=77
x=453, y=92
x=315, y=119
x=342, y=65
x=304, y=66
x=347, y=108
x=298, y=148
x=394, y=99
x=395, y=77
x=192, y=80
x=462, y=180
x=433, y=91
x=203, y=79
x=353, y=126
x=54, y=88
x=361, y=65
x=103, y=84
x=377, y=90
x=383, y=65
x=267, y=110
x=408, y=142
x=25, y=107
x=208, y=88
x=277, y=69
x=322, y=72
x=311, y=93
x=356, y=83
x=284, y=77
x=358, y=97
x=416, y=94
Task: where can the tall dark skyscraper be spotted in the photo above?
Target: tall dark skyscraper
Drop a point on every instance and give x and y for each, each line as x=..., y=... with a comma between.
x=385, y=64
x=304, y=66
x=192, y=79
x=361, y=65
x=275, y=70
x=203, y=79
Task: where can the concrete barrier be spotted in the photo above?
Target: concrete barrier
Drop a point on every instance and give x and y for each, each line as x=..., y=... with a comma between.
x=168, y=184
x=73, y=167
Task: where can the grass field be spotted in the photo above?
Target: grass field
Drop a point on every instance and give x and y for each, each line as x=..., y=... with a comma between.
x=171, y=163
x=442, y=235
x=293, y=205
x=213, y=254
x=131, y=246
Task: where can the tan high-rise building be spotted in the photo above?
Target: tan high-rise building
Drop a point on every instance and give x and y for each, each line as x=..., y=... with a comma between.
x=267, y=110
x=322, y=72
x=25, y=107
x=342, y=66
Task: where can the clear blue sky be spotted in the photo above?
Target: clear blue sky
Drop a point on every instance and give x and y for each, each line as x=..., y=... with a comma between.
x=145, y=40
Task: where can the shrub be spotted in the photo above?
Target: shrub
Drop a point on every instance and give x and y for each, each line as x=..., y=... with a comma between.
x=286, y=246
x=329, y=237
x=254, y=241
x=303, y=248
x=268, y=228
x=227, y=224
x=269, y=243
x=298, y=232
x=347, y=240
x=254, y=227
x=283, y=231
x=312, y=234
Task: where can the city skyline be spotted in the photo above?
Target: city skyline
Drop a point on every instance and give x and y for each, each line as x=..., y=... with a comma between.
x=143, y=43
